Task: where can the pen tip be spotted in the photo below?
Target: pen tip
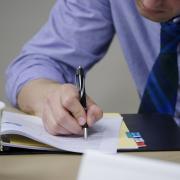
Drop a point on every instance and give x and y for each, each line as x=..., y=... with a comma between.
x=85, y=133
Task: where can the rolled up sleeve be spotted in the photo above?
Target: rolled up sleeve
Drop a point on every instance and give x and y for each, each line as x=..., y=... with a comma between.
x=77, y=33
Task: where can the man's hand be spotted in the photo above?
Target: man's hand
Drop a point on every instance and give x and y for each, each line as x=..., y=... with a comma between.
x=58, y=106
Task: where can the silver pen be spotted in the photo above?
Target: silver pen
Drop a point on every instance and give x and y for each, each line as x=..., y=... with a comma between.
x=80, y=82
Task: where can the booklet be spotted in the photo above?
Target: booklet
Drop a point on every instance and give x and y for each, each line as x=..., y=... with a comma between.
x=27, y=131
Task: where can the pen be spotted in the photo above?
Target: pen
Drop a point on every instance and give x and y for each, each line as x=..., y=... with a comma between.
x=80, y=82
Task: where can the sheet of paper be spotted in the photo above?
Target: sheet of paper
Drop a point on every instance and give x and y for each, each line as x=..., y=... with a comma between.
x=103, y=136
x=99, y=166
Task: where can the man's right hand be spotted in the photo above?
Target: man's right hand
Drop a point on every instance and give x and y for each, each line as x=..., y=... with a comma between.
x=58, y=106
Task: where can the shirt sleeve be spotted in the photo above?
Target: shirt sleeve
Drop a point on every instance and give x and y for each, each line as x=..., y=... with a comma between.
x=77, y=33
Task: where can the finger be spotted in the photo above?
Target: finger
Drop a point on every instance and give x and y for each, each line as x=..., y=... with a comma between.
x=50, y=124
x=63, y=118
x=72, y=104
x=94, y=112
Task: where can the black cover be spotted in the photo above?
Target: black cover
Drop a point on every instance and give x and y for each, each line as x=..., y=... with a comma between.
x=160, y=132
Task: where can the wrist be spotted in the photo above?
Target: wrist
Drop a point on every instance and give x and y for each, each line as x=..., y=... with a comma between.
x=33, y=94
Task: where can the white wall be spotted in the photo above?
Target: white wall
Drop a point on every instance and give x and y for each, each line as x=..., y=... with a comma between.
x=109, y=83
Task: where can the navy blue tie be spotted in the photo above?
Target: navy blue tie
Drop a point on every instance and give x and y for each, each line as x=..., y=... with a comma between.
x=160, y=93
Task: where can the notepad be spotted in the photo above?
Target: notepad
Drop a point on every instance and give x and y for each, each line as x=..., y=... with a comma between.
x=103, y=136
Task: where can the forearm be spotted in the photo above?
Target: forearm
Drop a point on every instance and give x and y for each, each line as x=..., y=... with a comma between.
x=33, y=94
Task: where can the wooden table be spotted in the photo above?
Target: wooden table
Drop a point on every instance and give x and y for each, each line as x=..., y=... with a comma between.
x=58, y=167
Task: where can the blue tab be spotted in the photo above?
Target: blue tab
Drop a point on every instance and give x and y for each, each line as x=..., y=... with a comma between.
x=129, y=135
x=135, y=134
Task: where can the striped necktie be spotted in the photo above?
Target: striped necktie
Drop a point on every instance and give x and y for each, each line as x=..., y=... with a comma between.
x=160, y=93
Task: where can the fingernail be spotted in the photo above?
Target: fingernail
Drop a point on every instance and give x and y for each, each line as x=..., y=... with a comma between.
x=82, y=121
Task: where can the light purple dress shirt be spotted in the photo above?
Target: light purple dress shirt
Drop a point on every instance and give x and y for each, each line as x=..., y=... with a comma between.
x=79, y=33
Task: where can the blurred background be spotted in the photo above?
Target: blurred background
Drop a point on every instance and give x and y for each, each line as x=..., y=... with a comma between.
x=109, y=83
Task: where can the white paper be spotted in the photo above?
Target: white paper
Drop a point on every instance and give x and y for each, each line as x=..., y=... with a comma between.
x=103, y=136
x=99, y=166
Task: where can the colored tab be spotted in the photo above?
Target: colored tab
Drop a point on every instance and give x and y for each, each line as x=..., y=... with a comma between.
x=129, y=135
x=139, y=139
x=136, y=134
x=141, y=144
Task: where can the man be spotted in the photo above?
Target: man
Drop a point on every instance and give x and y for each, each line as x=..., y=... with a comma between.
x=40, y=81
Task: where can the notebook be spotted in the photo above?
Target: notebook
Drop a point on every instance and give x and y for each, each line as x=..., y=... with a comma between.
x=28, y=132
